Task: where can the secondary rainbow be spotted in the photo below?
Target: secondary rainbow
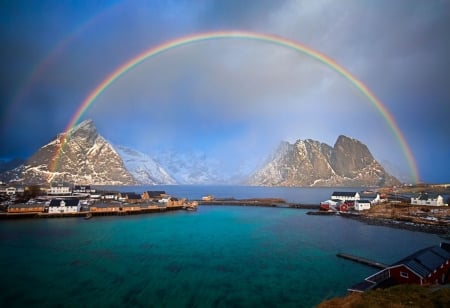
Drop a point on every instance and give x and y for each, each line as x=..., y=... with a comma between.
x=186, y=40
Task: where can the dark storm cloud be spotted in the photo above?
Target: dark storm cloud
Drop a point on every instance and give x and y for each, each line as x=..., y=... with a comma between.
x=399, y=49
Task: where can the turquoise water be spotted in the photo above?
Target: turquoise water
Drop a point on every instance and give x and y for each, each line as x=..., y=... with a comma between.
x=305, y=195
x=218, y=256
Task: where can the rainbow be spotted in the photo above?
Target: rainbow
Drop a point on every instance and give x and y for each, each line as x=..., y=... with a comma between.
x=130, y=64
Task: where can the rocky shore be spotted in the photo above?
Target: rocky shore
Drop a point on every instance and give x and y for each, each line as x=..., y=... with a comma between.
x=439, y=229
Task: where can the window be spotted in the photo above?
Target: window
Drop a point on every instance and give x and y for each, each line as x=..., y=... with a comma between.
x=404, y=274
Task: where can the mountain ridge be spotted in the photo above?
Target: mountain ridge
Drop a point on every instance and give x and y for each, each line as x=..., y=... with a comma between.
x=312, y=163
x=86, y=157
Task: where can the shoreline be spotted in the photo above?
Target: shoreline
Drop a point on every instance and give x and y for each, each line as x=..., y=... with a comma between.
x=399, y=224
x=84, y=214
x=433, y=228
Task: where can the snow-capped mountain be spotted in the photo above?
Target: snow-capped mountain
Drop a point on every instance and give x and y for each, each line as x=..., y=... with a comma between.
x=143, y=168
x=189, y=167
x=88, y=158
x=312, y=163
x=85, y=158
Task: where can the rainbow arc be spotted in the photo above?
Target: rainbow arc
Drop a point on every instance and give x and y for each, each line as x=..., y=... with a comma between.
x=239, y=35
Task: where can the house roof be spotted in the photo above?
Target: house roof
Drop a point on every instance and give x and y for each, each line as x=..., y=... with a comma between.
x=427, y=196
x=344, y=193
x=82, y=187
x=103, y=193
x=426, y=260
x=60, y=184
x=155, y=193
x=133, y=196
x=24, y=206
x=68, y=202
x=362, y=201
x=369, y=196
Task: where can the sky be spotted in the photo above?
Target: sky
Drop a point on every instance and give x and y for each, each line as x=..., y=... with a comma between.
x=233, y=99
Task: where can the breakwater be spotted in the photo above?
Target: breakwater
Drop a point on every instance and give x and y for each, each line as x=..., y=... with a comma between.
x=361, y=260
x=263, y=202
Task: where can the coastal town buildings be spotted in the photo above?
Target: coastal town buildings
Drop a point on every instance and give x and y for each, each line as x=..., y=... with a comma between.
x=345, y=196
x=430, y=265
x=10, y=190
x=153, y=194
x=26, y=208
x=101, y=207
x=59, y=189
x=361, y=205
x=64, y=206
x=132, y=198
x=83, y=189
x=428, y=199
x=109, y=195
x=373, y=197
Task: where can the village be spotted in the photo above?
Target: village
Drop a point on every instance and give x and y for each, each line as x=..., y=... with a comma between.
x=418, y=205
x=64, y=200
x=419, y=211
x=365, y=200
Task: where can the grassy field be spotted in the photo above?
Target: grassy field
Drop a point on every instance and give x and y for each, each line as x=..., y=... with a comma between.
x=395, y=297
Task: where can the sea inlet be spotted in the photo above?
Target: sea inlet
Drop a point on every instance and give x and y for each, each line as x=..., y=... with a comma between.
x=218, y=256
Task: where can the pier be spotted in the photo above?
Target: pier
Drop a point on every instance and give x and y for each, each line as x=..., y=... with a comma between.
x=362, y=260
x=263, y=202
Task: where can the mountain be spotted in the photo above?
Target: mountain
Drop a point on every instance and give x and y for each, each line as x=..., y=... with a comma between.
x=6, y=165
x=191, y=167
x=85, y=158
x=88, y=158
x=143, y=168
x=312, y=163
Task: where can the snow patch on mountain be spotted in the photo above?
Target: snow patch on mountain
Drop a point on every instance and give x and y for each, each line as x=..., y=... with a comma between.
x=143, y=168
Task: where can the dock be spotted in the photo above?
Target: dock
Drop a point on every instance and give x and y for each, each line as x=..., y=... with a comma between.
x=362, y=260
x=261, y=202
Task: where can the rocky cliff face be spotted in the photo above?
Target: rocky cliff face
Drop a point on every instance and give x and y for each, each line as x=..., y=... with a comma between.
x=143, y=168
x=85, y=158
x=312, y=163
x=191, y=167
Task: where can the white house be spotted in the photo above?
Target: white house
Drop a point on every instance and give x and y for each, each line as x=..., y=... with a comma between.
x=428, y=199
x=83, y=189
x=361, y=205
x=59, y=189
x=11, y=190
x=373, y=196
x=64, y=206
x=345, y=196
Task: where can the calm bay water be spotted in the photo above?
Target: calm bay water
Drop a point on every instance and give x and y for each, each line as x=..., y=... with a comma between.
x=218, y=256
x=290, y=194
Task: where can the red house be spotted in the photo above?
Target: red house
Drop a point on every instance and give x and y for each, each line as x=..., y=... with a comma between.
x=430, y=265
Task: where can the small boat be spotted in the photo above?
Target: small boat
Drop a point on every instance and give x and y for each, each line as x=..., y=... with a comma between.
x=191, y=206
x=88, y=216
